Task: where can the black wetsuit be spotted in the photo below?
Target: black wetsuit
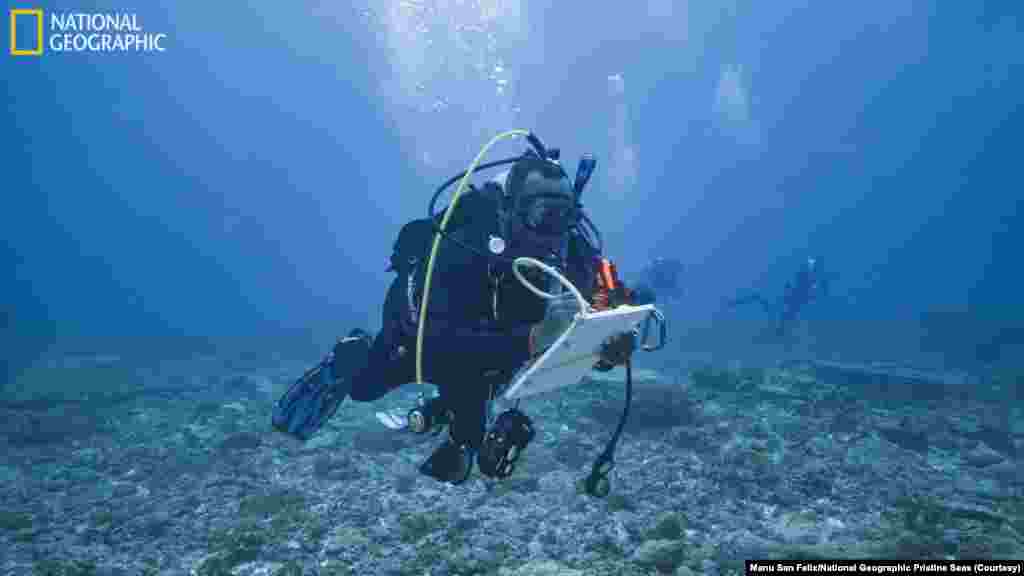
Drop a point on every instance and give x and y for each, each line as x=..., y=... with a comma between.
x=477, y=331
x=805, y=288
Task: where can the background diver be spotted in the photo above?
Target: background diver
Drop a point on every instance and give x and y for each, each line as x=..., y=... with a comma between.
x=809, y=284
x=665, y=277
x=481, y=324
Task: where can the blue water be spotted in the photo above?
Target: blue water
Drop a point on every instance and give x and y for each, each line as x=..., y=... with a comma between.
x=250, y=178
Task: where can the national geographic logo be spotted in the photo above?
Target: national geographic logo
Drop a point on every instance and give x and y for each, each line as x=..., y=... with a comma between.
x=80, y=32
x=27, y=14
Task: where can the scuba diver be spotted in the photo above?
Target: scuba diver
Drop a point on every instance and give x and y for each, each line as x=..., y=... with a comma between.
x=482, y=323
x=664, y=276
x=809, y=284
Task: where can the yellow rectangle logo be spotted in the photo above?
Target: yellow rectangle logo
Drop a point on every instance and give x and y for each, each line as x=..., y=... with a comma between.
x=38, y=13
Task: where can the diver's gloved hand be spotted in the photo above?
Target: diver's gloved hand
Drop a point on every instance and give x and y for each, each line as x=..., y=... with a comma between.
x=616, y=351
x=558, y=317
x=450, y=463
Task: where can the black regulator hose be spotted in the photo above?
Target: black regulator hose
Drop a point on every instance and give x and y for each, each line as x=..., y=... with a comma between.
x=597, y=483
x=440, y=189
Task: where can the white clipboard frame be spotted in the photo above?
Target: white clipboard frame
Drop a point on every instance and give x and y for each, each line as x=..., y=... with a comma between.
x=573, y=355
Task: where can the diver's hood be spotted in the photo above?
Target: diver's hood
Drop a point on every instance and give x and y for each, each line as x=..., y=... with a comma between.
x=532, y=176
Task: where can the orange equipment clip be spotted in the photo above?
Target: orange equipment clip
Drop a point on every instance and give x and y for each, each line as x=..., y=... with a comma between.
x=608, y=292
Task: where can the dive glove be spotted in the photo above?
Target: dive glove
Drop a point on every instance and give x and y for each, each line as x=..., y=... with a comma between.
x=616, y=351
x=559, y=316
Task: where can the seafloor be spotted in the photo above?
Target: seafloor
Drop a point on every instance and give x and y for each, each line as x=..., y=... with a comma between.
x=121, y=467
